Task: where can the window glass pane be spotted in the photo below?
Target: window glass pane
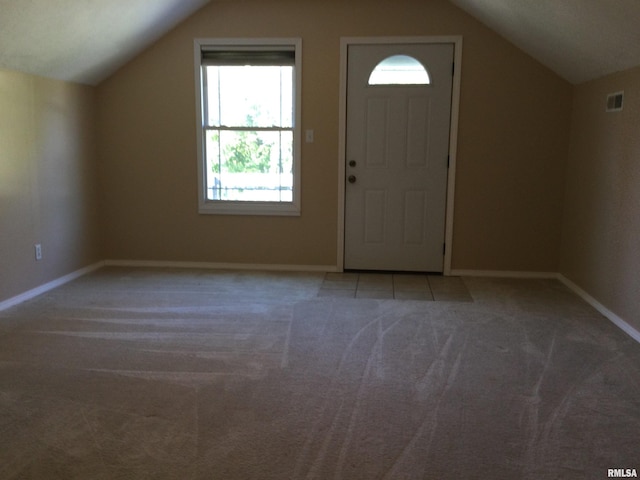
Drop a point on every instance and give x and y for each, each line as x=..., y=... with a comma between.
x=212, y=97
x=251, y=96
x=399, y=70
x=254, y=166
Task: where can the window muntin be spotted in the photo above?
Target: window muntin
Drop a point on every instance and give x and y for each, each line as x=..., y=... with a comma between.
x=399, y=70
x=249, y=153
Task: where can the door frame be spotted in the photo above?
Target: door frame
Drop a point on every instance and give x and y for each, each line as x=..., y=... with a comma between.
x=345, y=42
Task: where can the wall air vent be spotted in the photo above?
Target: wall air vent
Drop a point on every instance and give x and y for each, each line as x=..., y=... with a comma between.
x=614, y=102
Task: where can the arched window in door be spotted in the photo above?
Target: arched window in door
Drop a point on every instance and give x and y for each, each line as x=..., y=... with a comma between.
x=399, y=70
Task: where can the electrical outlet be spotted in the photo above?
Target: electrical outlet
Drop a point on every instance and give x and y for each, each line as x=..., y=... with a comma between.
x=38, y=248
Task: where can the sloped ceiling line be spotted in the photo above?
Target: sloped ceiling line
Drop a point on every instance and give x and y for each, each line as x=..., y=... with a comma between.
x=85, y=41
x=580, y=40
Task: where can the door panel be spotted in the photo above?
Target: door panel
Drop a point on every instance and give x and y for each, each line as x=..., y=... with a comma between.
x=414, y=216
x=374, y=217
x=417, y=124
x=377, y=132
x=397, y=147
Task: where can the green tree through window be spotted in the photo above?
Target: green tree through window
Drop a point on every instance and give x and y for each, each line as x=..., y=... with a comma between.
x=248, y=153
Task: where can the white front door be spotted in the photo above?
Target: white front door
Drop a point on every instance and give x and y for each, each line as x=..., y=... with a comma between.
x=397, y=149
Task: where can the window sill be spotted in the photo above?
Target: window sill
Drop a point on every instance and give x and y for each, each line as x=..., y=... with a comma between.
x=249, y=208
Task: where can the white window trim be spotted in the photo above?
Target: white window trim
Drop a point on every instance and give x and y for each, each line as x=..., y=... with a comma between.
x=249, y=208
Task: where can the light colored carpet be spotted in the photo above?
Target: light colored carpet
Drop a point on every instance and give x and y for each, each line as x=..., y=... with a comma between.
x=136, y=374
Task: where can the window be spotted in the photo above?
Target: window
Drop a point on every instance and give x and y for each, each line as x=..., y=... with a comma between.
x=248, y=126
x=399, y=70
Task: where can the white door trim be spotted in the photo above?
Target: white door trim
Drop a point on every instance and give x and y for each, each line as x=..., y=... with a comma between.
x=453, y=135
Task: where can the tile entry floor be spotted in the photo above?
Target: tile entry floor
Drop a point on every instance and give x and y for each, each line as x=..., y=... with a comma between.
x=394, y=286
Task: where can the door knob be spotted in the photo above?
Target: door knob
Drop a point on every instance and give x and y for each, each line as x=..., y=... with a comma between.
x=352, y=179
x=352, y=163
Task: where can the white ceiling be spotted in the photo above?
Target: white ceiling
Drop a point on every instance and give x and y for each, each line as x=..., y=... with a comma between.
x=86, y=40
x=83, y=41
x=578, y=39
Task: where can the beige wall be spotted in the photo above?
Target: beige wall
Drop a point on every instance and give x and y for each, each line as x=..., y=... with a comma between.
x=47, y=181
x=516, y=120
x=601, y=235
x=514, y=125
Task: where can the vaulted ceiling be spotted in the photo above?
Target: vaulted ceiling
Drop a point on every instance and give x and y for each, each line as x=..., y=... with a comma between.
x=83, y=41
x=86, y=40
x=578, y=39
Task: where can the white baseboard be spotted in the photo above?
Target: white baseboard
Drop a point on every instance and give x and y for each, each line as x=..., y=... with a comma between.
x=28, y=295
x=615, y=319
x=502, y=274
x=612, y=317
x=222, y=266
x=619, y=322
